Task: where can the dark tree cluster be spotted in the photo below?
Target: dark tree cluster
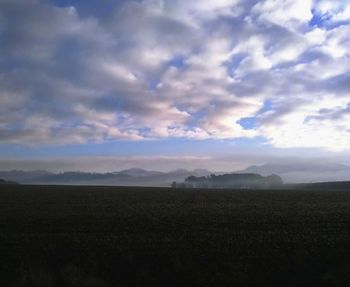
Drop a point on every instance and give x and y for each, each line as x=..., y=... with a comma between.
x=232, y=180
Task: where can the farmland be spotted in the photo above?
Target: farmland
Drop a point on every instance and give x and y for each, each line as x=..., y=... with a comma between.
x=125, y=236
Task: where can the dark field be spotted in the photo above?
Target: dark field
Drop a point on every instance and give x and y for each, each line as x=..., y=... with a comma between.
x=105, y=236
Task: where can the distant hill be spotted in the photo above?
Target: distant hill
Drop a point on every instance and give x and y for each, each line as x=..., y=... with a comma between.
x=138, y=172
x=127, y=177
x=297, y=172
x=23, y=176
x=2, y=181
x=303, y=171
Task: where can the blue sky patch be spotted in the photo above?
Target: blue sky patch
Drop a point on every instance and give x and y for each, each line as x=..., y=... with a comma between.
x=177, y=61
x=248, y=123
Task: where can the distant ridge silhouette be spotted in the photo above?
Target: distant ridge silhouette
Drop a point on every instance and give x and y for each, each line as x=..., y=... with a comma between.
x=127, y=177
x=298, y=172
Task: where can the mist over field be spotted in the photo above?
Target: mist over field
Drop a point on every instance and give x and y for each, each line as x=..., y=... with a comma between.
x=290, y=172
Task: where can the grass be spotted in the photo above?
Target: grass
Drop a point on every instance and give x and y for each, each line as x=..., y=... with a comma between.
x=124, y=236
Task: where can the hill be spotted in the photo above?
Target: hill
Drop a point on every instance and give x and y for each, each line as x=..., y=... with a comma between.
x=303, y=171
x=127, y=177
x=2, y=181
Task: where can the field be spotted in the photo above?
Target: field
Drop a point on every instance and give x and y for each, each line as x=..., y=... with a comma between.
x=124, y=236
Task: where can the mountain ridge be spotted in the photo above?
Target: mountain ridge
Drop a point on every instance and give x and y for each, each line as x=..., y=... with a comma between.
x=127, y=177
x=298, y=172
x=292, y=172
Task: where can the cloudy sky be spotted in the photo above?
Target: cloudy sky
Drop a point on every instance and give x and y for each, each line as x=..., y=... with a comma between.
x=173, y=83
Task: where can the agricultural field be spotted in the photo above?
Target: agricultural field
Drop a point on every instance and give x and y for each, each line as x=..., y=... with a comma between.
x=125, y=236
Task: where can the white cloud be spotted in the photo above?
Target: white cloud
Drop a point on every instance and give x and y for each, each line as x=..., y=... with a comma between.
x=158, y=69
x=334, y=10
x=298, y=128
x=288, y=13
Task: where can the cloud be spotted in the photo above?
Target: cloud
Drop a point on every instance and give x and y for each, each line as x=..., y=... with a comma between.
x=333, y=11
x=191, y=69
x=288, y=13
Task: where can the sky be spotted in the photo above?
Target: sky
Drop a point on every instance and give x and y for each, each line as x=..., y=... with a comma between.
x=165, y=84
